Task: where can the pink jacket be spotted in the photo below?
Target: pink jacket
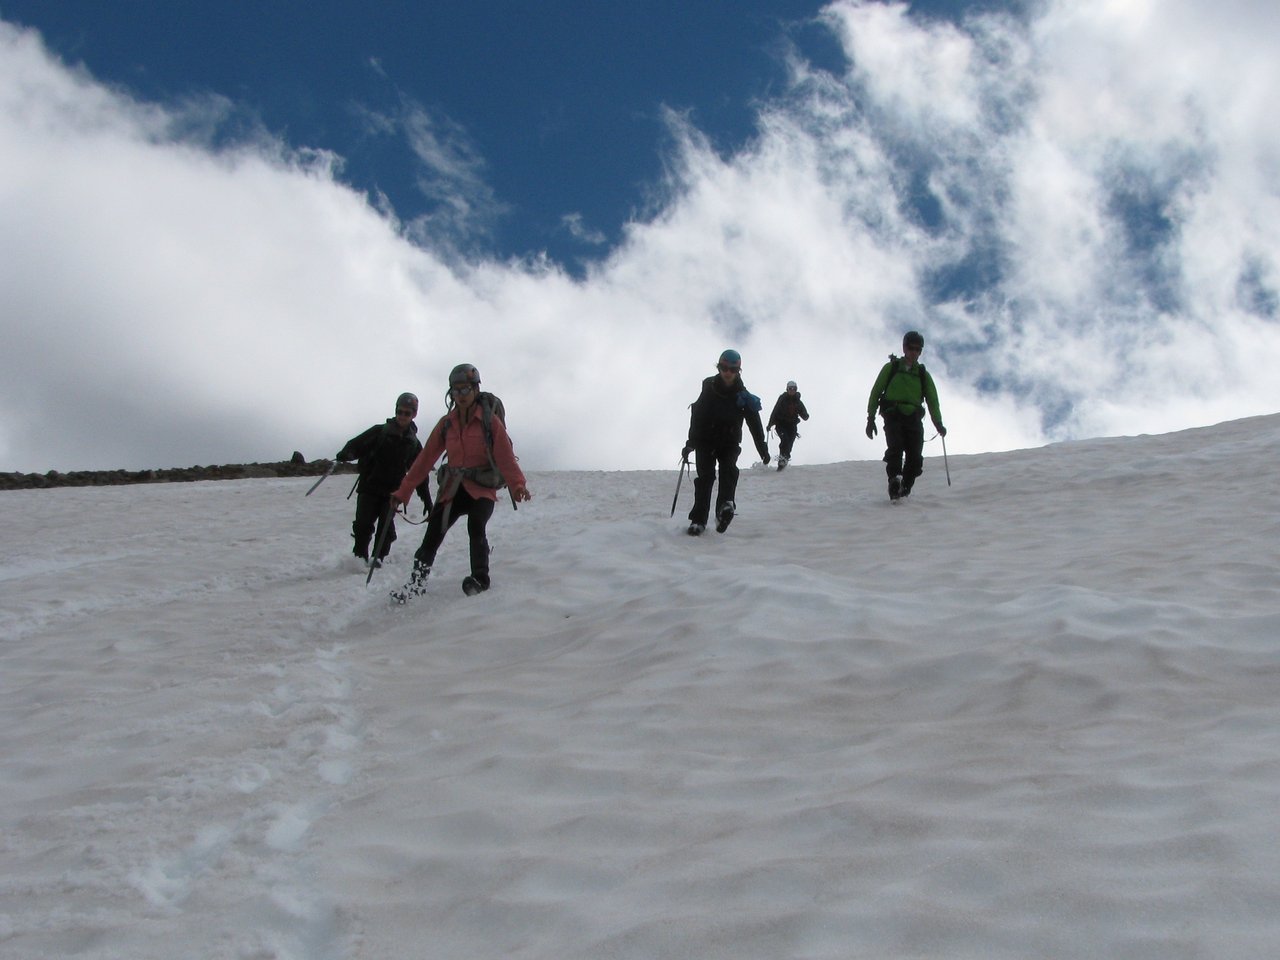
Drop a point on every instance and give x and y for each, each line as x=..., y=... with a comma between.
x=466, y=448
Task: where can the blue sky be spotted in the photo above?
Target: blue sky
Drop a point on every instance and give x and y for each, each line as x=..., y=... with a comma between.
x=554, y=110
x=288, y=213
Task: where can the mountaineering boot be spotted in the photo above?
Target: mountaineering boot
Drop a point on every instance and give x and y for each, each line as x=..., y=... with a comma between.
x=724, y=516
x=695, y=529
x=416, y=586
x=782, y=462
x=895, y=487
x=473, y=585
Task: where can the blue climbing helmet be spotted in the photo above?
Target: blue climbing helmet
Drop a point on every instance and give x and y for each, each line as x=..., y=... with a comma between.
x=731, y=357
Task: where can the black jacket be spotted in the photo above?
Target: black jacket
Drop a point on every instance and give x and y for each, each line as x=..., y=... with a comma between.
x=788, y=411
x=385, y=455
x=716, y=417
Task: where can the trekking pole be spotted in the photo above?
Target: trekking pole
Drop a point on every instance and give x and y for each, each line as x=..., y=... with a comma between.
x=684, y=465
x=353, y=487
x=946, y=466
x=388, y=521
x=325, y=476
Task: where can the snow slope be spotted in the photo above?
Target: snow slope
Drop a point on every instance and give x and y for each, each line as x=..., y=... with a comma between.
x=1032, y=714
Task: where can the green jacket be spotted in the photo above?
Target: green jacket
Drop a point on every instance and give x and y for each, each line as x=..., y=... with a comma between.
x=905, y=391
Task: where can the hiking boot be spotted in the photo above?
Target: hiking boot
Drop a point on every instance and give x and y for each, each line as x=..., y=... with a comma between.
x=695, y=529
x=895, y=487
x=473, y=585
x=416, y=586
x=724, y=516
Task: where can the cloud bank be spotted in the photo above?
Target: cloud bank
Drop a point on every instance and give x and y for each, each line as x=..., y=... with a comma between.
x=1080, y=208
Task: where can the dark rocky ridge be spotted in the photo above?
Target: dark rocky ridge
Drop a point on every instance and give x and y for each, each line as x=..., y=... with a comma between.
x=297, y=466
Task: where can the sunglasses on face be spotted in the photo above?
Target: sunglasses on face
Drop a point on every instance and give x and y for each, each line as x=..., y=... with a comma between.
x=404, y=413
x=460, y=389
x=727, y=368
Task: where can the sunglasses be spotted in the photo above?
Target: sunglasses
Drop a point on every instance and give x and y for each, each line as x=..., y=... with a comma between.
x=727, y=368
x=400, y=412
x=460, y=390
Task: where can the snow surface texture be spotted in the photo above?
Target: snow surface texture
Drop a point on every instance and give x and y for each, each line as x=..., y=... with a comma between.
x=1033, y=714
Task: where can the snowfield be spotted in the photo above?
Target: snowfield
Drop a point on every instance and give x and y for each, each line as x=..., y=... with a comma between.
x=1033, y=714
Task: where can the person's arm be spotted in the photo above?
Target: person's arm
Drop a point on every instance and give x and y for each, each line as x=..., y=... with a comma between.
x=504, y=455
x=697, y=422
x=757, y=434
x=424, y=488
x=773, y=416
x=877, y=391
x=931, y=400
x=359, y=446
x=422, y=464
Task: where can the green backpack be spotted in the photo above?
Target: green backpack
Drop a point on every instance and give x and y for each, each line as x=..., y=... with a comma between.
x=894, y=370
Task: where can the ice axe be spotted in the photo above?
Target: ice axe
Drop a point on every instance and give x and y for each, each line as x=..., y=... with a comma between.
x=388, y=521
x=325, y=476
x=684, y=465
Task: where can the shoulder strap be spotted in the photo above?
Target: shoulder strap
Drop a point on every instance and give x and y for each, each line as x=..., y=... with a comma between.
x=486, y=420
x=896, y=368
x=893, y=372
x=489, y=405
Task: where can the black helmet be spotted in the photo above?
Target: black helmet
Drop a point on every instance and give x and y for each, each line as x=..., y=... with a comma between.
x=912, y=339
x=407, y=401
x=465, y=373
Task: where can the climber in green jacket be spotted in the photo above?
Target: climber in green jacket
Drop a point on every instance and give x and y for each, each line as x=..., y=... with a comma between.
x=900, y=394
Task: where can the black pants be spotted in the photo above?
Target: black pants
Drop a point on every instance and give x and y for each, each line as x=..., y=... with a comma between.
x=904, y=439
x=371, y=510
x=444, y=515
x=786, y=440
x=707, y=459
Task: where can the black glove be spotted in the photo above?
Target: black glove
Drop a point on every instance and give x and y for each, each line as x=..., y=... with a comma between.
x=340, y=458
x=684, y=454
x=871, y=427
x=942, y=431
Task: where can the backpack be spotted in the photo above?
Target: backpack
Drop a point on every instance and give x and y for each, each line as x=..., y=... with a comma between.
x=894, y=370
x=490, y=476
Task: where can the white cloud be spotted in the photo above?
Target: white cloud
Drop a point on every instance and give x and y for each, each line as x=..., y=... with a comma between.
x=1079, y=210
x=578, y=229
